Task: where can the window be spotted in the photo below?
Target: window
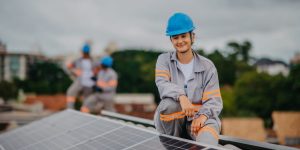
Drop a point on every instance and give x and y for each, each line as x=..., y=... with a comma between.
x=14, y=65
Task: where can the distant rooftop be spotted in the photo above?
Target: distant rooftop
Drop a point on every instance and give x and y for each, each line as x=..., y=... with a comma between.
x=267, y=61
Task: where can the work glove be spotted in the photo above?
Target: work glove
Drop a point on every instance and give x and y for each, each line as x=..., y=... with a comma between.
x=94, y=78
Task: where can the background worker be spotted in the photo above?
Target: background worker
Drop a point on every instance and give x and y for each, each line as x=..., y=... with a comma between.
x=82, y=68
x=188, y=86
x=105, y=89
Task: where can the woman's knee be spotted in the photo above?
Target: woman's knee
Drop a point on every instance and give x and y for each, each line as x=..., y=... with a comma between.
x=209, y=134
x=168, y=106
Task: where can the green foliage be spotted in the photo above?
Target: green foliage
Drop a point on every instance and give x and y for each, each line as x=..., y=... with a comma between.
x=226, y=67
x=240, y=51
x=261, y=94
x=45, y=78
x=8, y=90
x=254, y=93
x=229, y=106
x=288, y=90
x=136, y=71
x=242, y=67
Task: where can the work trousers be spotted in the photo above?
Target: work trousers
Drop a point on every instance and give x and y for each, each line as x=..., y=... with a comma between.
x=76, y=89
x=98, y=101
x=170, y=120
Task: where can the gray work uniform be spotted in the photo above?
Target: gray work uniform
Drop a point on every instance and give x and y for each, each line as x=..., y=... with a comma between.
x=202, y=90
x=79, y=86
x=103, y=99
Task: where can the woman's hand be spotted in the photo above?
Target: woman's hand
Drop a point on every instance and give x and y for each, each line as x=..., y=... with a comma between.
x=186, y=106
x=197, y=124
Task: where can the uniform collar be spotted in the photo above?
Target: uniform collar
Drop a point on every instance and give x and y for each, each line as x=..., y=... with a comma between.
x=199, y=65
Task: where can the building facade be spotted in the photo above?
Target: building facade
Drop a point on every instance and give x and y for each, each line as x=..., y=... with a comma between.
x=16, y=65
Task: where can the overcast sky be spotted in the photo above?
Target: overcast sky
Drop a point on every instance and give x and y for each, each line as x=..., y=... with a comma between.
x=61, y=26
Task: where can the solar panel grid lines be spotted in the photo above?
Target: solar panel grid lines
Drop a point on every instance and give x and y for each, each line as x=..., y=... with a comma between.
x=90, y=139
x=137, y=144
x=31, y=136
x=121, y=138
x=78, y=135
x=162, y=142
x=190, y=144
x=31, y=133
x=184, y=143
x=25, y=129
x=54, y=135
x=169, y=142
x=72, y=130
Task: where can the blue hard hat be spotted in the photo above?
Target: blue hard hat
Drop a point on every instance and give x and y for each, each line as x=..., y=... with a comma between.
x=107, y=61
x=86, y=48
x=179, y=23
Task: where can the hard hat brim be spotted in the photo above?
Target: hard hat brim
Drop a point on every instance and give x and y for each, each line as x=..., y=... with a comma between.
x=179, y=32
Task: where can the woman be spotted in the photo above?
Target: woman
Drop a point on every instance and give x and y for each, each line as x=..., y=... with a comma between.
x=189, y=88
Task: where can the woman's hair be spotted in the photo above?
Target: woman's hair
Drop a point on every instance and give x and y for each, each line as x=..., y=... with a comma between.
x=191, y=35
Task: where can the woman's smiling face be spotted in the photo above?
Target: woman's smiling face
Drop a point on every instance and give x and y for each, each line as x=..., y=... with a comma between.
x=182, y=42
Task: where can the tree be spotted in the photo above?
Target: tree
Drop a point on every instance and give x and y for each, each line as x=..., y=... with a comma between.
x=239, y=54
x=253, y=94
x=135, y=69
x=288, y=90
x=45, y=78
x=8, y=90
x=229, y=104
x=226, y=67
x=245, y=50
x=240, y=51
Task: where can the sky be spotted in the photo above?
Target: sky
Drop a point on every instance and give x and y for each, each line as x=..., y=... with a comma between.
x=60, y=27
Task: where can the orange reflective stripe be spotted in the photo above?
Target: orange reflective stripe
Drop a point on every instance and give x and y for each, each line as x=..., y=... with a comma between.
x=70, y=65
x=85, y=109
x=211, y=130
x=170, y=119
x=112, y=83
x=197, y=107
x=211, y=92
x=212, y=96
x=173, y=116
x=70, y=99
x=176, y=113
x=197, y=104
x=162, y=72
x=163, y=75
x=101, y=83
x=77, y=72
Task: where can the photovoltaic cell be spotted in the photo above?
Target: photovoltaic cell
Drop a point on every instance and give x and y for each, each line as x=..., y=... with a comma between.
x=72, y=130
x=162, y=142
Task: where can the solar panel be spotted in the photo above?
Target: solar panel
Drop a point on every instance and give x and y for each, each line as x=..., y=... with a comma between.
x=72, y=130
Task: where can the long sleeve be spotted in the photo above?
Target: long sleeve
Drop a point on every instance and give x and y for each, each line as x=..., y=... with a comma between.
x=108, y=85
x=211, y=99
x=163, y=80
